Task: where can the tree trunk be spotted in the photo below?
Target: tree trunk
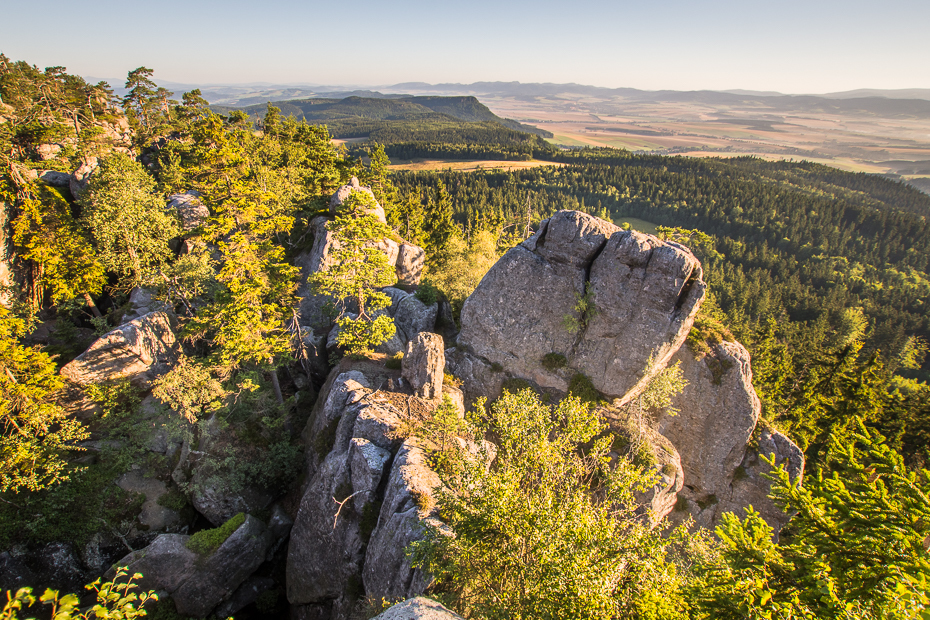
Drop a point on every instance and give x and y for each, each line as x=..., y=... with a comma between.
x=276, y=385
x=93, y=307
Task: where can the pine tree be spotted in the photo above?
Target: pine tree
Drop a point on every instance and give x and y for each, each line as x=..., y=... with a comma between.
x=357, y=268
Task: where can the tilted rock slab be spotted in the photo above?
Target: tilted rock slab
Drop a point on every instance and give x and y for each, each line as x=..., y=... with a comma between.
x=139, y=350
x=644, y=293
x=198, y=584
x=408, y=505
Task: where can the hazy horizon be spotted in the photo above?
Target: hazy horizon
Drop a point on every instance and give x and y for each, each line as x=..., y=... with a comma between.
x=793, y=47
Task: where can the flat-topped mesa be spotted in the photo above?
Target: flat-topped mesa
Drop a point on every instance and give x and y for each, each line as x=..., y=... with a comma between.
x=641, y=296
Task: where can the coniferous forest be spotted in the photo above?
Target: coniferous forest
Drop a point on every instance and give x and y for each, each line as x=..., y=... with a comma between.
x=154, y=212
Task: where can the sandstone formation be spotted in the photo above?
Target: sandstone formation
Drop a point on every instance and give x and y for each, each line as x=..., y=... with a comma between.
x=81, y=176
x=139, y=350
x=718, y=414
x=189, y=208
x=424, y=364
x=418, y=608
x=643, y=294
x=346, y=190
x=357, y=513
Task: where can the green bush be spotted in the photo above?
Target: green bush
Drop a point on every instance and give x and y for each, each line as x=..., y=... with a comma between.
x=514, y=385
x=205, y=542
x=396, y=362
x=427, y=293
x=554, y=361
x=581, y=387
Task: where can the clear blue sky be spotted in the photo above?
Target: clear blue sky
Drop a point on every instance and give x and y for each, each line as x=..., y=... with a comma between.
x=786, y=45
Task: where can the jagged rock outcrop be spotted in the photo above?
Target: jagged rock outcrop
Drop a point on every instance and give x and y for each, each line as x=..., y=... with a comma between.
x=419, y=608
x=189, y=208
x=718, y=412
x=139, y=350
x=360, y=478
x=198, y=584
x=643, y=294
x=409, y=263
x=424, y=364
x=81, y=176
x=408, y=503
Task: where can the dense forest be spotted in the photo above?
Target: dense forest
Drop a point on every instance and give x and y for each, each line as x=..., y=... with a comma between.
x=822, y=274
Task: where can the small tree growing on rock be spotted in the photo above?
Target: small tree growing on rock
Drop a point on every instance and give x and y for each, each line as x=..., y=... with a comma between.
x=357, y=269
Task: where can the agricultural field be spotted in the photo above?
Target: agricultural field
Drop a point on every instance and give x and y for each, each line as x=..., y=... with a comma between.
x=855, y=140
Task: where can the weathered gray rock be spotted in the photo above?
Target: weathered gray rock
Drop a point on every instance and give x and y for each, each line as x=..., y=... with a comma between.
x=718, y=411
x=139, y=350
x=154, y=516
x=478, y=377
x=142, y=301
x=214, y=499
x=412, y=316
x=164, y=564
x=192, y=212
x=408, y=503
x=644, y=293
x=424, y=364
x=366, y=462
x=377, y=423
x=81, y=176
x=658, y=501
x=750, y=488
x=217, y=576
x=346, y=190
x=418, y=608
x=409, y=264
x=326, y=544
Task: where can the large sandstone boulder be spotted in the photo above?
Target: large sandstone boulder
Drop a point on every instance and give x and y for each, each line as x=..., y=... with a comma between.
x=751, y=488
x=409, y=265
x=643, y=294
x=717, y=412
x=418, y=608
x=139, y=350
x=361, y=477
x=192, y=212
x=349, y=433
x=217, y=576
x=424, y=364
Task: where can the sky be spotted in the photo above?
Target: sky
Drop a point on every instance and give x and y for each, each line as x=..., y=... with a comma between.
x=790, y=46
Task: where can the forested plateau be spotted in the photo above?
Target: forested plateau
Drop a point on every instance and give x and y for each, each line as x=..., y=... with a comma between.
x=247, y=373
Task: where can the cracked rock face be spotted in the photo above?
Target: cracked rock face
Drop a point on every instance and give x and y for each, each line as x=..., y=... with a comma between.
x=643, y=294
